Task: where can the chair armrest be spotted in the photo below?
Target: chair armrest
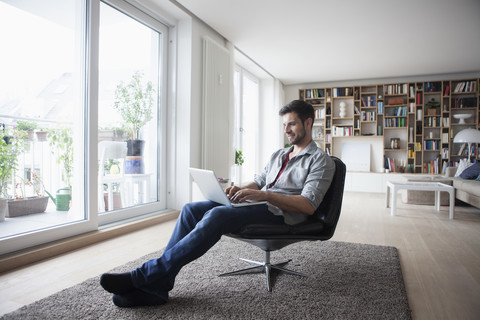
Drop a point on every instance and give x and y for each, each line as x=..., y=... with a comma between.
x=450, y=172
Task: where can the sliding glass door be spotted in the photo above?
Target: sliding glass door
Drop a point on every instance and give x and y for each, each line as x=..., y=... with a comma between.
x=130, y=124
x=81, y=83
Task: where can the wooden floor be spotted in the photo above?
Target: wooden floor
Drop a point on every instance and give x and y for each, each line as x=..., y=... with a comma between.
x=440, y=257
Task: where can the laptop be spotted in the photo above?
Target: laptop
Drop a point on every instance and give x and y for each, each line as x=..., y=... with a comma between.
x=213, y=191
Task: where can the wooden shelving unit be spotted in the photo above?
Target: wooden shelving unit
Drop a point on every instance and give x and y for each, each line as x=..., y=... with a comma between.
x=417, y=120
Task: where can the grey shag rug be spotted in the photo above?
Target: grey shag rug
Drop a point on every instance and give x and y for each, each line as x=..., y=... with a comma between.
x=347, y=281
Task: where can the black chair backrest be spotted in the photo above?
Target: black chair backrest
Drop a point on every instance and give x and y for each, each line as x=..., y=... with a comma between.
x=329, y=209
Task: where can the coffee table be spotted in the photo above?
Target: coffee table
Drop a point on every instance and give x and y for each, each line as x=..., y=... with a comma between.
x=393, y=187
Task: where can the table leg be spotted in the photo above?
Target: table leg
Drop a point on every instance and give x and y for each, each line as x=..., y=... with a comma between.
x=393, y=210
x=452, y=204
x=437, y=200
x=387, y=197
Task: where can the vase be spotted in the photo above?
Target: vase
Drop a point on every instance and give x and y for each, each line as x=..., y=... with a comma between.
x=342, y=113
x=134, y=160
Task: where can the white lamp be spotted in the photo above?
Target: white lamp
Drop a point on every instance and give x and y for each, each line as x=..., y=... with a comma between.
x=467, y=136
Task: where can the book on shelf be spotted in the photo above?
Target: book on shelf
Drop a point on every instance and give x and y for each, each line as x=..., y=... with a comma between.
x=447, y=90
x=399, y=88
x=431, y=145
x=369, y=101
x=445, y=137
x=466, y=86
x=395, y=122
x=412, y=92
x=445, y=153
x=432, y=166
x=446, y=121
x=314, y=93
x=342, y=131
x=419, y=98
x=380, y=107
x=341, y=92
x=369, y=116
x=356, y=110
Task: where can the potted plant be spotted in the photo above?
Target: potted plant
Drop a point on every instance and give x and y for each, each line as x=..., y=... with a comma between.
x=134, y=102
x=28, y=127
x=10, y=147
x=23, y=204
x=42, y=134
x=432, y=107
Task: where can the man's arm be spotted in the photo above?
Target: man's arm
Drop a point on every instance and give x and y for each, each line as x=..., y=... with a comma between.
x=292, y=203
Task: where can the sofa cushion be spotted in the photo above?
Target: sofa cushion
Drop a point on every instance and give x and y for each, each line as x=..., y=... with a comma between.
x=471, y=172
x=470, y=186
x=462, y=165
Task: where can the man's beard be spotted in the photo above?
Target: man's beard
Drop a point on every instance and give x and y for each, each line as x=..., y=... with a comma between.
x=298, y=138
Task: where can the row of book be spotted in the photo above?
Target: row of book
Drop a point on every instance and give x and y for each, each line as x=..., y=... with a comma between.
x=431, y=145
x=432, y=166
x=395, y=122
x=396, y=88
x=432, y=87
x=397, y=111
x=314, y=93
x=465, y=103
x=380, y=107
x=394, y=165
x=432, y=121
x=343, y=131
x=341, y=92
x=463, y=150
x=369, y=101
x=369, y=116
x=319, y=113
x=465, y=86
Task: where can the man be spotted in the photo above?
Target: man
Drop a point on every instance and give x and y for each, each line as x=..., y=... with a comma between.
x=294, y=183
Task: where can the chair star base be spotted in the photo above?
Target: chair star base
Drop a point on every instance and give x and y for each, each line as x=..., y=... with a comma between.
x=266, y=267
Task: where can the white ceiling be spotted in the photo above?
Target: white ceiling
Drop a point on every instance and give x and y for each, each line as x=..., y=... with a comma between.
x=305, y=41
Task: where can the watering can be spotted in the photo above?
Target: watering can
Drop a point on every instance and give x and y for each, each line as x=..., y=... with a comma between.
x=62, y=199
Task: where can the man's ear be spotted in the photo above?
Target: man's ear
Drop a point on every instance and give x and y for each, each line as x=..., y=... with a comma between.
x=309, y=123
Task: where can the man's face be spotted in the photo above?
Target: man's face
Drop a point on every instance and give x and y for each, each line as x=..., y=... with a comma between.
x=294, y=128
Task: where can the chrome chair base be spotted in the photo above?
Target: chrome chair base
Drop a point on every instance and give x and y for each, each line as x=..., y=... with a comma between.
x=266, y=267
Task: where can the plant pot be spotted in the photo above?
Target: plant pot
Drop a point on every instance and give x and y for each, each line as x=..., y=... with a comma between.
x=20, y=207
x=3, y=209
x=41, y=135
x=134, y=165
x=117, y=201
x=30, y=135
x=135, y=148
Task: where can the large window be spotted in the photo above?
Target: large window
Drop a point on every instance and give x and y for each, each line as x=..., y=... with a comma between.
x=58, y=111
x=246, y=96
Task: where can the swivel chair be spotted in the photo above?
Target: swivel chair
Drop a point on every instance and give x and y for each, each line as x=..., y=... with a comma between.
x=319, y=227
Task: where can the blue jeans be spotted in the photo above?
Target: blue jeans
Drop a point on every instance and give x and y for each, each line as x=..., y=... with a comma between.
x=199, y=226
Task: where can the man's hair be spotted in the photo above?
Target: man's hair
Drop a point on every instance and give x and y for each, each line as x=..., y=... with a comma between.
x=304, y=110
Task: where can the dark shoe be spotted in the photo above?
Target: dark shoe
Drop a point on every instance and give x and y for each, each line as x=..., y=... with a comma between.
x=117, y=283
x=137, y=298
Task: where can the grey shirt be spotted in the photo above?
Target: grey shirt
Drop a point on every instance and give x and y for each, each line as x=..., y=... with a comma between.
x=308, y=174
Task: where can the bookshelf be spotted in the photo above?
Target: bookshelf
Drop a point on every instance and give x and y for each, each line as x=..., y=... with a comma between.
x=417, y=120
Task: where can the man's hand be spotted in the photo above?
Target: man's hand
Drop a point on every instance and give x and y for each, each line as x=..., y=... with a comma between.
x=241, y=195
x=248, y=192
